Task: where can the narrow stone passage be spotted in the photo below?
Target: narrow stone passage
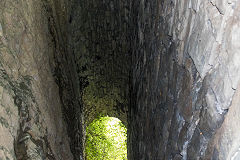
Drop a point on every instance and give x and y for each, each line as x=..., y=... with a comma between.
x=169, y=70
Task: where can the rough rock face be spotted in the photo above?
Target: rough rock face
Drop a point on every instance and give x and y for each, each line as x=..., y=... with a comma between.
x=46, y=48
x=31, y=117
x=184, y=76
x=185, y=84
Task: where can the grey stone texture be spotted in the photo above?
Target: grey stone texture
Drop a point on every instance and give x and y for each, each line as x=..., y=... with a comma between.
x=185, y=80
x=44, y=46
x=31, y=117
x=178, y=59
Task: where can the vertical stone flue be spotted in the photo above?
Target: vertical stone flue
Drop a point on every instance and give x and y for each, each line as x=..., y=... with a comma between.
x=63, y=63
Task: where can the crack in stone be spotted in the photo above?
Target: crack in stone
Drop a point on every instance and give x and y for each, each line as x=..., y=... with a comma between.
x=218, y=9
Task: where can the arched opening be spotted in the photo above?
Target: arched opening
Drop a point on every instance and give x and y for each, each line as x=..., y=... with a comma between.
x=98, y=40
x=106, y=139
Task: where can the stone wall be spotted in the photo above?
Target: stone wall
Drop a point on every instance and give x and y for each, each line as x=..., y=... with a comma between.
x=51, y=51
x=184, y=88
x=99, y=42
x=63, y=63
x=31, y=117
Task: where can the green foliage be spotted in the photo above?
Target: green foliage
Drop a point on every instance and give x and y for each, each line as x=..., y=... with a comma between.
x=106, y=140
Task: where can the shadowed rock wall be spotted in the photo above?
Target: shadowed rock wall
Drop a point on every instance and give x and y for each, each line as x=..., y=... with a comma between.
x=51, y=51
x=31, y=116
x=99, y=42
x=63, y=63
x=97, y=39
x=185, y=78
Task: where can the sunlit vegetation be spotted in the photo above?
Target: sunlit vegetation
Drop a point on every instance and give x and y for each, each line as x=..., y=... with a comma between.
x=106, y=140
